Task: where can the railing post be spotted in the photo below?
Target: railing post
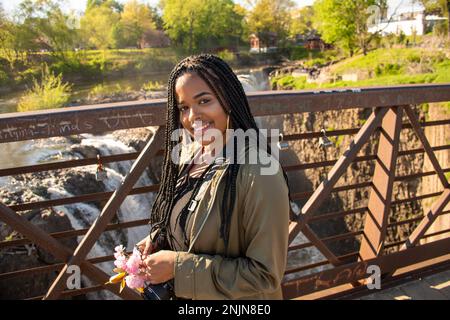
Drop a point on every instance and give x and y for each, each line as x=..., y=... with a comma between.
x=379, y=205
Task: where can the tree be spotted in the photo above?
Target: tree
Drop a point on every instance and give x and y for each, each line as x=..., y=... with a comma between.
x=302, y=21
x=345, y=22
x=135, y=21
x=99, y=26
x=113, y=4
x=43, y=25
x=195, y=23
x=268, y=17
x=440, y=8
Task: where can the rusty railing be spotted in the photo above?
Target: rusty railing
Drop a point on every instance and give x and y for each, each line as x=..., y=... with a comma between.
x=344, y=275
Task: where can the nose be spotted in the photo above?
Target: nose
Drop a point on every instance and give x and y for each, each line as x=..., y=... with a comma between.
x=195, y=114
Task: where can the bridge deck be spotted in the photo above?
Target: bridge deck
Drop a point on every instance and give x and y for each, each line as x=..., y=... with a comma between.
x=434, y=287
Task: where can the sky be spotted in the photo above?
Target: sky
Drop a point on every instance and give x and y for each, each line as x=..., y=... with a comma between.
x=80, y=5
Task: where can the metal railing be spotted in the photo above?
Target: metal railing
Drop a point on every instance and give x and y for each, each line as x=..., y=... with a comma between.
x=388, y=105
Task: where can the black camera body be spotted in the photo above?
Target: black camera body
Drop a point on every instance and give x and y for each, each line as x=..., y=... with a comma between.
x=161, y=291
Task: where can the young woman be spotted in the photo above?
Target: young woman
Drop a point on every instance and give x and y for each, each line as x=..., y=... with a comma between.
x=219, y=228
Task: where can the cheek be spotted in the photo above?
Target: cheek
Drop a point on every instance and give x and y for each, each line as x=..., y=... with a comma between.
x=184, y=119
x=219, y=116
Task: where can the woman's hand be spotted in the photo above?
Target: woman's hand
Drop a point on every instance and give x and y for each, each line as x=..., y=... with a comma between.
x=159, y=266
x=145, y=246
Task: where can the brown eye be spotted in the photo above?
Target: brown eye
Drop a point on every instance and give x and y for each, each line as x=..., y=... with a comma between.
x=203, y=101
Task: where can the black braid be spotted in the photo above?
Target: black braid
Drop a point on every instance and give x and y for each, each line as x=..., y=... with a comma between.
x=224, y=83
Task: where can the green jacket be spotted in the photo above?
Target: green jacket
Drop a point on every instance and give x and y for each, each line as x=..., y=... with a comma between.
x=253, y=264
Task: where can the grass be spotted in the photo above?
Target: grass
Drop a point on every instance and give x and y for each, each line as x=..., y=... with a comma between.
x=152, y=86
x=383, y=67
x=101, y=91
x=48, y=93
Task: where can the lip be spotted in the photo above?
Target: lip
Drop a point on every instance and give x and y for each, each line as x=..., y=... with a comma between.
x=203, y=127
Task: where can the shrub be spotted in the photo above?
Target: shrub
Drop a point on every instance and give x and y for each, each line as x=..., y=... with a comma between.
x=101, y=91
x=152, y=86
x=226, y=55
x=49, y=93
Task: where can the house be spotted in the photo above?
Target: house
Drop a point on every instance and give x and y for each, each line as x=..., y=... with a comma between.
x=408, y=19
x=154, y=39
x=257, y=43
x=311, y=41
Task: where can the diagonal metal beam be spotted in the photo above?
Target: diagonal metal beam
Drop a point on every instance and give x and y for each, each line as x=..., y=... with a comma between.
x=108, y=212
x=428, y=220
x=325, y=188
x=379, y=205
x=53, y=246
x=426, y=145
x=414, y=239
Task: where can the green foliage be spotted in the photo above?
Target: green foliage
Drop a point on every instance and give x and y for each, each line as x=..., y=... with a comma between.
x=4, y=78
x=269, y=16
x=387, y=69
x=299, y=53
x=46, y=25
x=49, y=93
x=195, y=24
x=152, y=86
x=136, y=21
x=317, y=62
x=344, y=22
x=227, y=55
x=101, y=91
x=288, y=82
x=393, y=73
x=302, y=21
x=99, y=27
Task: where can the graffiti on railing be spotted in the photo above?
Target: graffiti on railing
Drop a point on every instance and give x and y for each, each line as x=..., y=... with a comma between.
x=36, y=127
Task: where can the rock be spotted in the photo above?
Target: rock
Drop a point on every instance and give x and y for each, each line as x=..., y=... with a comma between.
x=85, y=151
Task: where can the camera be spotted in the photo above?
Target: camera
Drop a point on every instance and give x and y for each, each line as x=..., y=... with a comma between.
x=161, y=291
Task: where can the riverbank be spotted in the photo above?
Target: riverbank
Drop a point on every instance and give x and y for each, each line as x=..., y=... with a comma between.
x=96, y=65
x=380, y=67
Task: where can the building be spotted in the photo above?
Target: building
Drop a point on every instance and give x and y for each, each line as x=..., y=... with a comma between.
x=408, y=19
x=258, y=45
x=311, y=41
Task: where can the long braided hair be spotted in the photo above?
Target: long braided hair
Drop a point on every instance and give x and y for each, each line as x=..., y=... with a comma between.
x=229, y=91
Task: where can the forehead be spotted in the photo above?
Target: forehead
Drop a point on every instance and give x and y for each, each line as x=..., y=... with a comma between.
x=189, y=84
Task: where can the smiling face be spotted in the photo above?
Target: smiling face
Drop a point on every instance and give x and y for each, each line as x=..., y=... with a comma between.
x=199, y=108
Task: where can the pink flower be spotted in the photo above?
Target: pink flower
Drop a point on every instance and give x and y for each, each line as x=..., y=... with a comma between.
x=120, y=249
x=134, y=262
x=134, y=281
x=130, y=266
x=121, y=263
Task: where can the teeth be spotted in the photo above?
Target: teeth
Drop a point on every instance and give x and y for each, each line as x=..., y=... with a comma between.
x=198, y=125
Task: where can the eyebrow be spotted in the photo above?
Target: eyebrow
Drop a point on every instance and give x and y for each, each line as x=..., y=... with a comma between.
x=198, y=95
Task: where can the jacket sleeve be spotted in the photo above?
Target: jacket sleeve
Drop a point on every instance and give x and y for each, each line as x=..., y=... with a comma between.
x=265, y=220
